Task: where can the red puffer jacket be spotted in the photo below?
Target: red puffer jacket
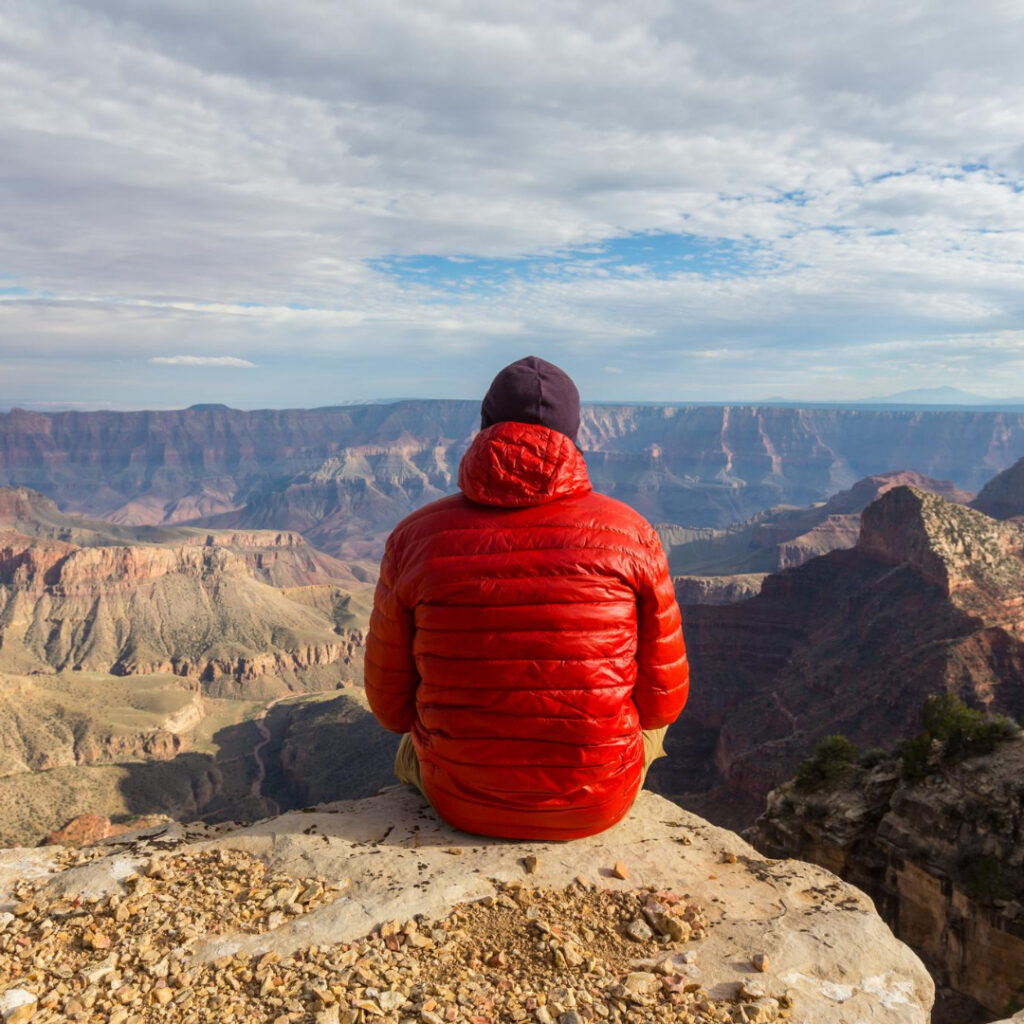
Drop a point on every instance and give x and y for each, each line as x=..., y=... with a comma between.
x=525, y=631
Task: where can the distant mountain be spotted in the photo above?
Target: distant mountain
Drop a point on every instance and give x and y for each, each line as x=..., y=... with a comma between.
x=944, y=399
x=942, y=396
x=850, y=642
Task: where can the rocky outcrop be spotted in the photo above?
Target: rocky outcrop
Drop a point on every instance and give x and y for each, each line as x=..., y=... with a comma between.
x=852, y=642
x=784, y=538
x=376, y=903
x=942, y=858
x=344, y=476
x=77, y=719
x=974, y=559
x=225, y=609
x=87, y=829
x=717, y=589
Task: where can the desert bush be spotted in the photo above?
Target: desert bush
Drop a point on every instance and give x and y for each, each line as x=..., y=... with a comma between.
x=956, y=730
x=873, y=757
x=832, y=758
x=915, y=756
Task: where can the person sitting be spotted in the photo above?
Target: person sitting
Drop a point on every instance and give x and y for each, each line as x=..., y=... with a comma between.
x=525, y=635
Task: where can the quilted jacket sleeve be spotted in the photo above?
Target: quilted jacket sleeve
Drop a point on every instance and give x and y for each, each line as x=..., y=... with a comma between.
x=663, y=676
x=390, y=672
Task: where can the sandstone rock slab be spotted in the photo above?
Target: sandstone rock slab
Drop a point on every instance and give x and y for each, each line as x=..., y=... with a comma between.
x=826, y=944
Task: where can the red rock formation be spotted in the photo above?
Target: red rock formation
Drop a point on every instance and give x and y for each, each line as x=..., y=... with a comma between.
x=787, y=537
x=238, y=605
x=851, y=642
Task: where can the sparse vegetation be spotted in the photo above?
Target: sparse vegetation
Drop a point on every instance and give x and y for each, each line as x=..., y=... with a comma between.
x=952, y=731
x=873, y=756
x=833, y=758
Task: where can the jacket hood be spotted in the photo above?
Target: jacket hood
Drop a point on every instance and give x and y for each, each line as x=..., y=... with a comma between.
x=520, y=464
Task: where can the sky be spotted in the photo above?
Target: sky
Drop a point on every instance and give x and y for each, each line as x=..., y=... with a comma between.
x=291, y=204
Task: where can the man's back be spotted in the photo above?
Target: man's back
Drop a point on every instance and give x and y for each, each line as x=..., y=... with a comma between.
x=525, y=631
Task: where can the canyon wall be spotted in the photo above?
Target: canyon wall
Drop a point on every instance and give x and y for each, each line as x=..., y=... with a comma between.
x=223, y=608
x=783, y=538
x=851, y=642
x=344, y=476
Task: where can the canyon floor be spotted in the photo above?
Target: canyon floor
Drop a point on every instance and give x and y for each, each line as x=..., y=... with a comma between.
x=243, y=760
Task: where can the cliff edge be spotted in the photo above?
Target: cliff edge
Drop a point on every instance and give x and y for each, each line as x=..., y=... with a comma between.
x=373, y=910
x=942, y=857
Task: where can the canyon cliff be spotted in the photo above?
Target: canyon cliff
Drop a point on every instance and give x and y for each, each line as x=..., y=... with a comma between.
x=1003, y=496
x=942, y=857
x=234, y=611
x=343, y=476
x=852, y=642
x=118, y=645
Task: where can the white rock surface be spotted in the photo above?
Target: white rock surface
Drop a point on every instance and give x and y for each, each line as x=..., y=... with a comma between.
x=13, y=1000
x=824, y=941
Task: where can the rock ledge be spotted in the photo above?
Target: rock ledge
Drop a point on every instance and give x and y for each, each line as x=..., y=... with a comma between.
x=772, y=926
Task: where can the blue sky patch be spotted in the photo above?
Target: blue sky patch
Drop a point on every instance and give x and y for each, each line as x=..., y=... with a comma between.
x=657, y=255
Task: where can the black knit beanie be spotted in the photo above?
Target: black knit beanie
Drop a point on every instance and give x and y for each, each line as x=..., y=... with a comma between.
x=532, y=390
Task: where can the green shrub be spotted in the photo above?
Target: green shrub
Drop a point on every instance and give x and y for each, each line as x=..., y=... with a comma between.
x=915, y=756
x=960, y=732
x=833, y=757
x=873, y=756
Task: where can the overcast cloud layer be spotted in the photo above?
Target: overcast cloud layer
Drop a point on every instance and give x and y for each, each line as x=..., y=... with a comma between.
x=307, y=202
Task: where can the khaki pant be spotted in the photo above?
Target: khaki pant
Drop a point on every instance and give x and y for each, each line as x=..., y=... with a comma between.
x=407, y=764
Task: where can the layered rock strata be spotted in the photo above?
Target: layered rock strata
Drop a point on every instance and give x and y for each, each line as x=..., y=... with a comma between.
x=717, y=589
x=783, y=538
x=344, y=476
x=942, y=858
x=224, y=609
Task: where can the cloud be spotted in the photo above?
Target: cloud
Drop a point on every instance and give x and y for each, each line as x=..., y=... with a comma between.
x=203, y=361
x=434, y=187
